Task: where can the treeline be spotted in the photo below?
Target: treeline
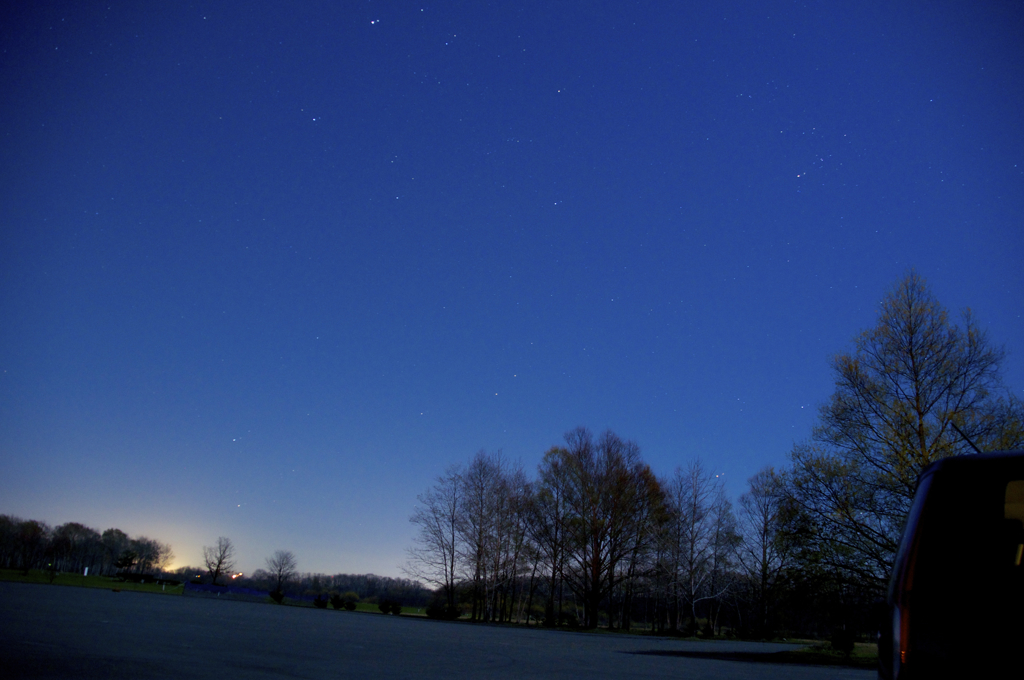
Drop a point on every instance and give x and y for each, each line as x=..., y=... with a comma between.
x=597, y=538
x=73, y=547
x=281, y=578
x=360, y=587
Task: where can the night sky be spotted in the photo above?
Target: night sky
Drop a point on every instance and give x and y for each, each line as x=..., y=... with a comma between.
x=266, y=269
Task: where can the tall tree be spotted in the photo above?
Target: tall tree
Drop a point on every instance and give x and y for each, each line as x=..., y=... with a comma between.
x=724, y=539
x=898, y=394
x=547, y=526
x=651, y=514
x=219, y=559
x=508, y=537
x=9, y=540
x=763, y=553
x=282, y=567
x=115, y=544
x=151, y=554
x=692, y=493
x=605, y=496
x=483, y=495
x=33, y=537
x=434, y=556
x=75, y=546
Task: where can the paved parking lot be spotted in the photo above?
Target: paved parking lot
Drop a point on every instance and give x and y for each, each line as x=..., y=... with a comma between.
x=61, y=632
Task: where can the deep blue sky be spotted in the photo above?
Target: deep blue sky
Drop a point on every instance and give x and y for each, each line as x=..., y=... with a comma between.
x=266, y=269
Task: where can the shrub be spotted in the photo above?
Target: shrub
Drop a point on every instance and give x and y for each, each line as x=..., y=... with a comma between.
x=842, y=641
x=568, y=619
x=350, y=605
x=390, y=607
x=277, y=596
x=320, y=601
x=439, y=609
x=336, y=601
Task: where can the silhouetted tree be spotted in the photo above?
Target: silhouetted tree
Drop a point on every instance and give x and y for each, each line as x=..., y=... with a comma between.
x=764, y=553
x=604, y=493
x=908, y=380
x=282, y=567
x=33, y=537
x=547, y=525
x=435, y=555
x=219, y=558
x=115, y=543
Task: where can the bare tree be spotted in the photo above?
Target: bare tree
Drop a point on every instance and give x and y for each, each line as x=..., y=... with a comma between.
x=33, y=539
x=725, y=539
x=434, y=557
x=115, y=544
x=651, y=514
x=694, y=491
x=282, y=567
x=9, y=541
x=547, y=520
x=507, y=538
x=604, y=501
x=220, y=558
x=75, y=547
x=483, y=496
x=763, y=554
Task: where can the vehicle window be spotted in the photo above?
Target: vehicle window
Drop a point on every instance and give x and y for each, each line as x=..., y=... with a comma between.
x=971, y=529
x=1013, y=508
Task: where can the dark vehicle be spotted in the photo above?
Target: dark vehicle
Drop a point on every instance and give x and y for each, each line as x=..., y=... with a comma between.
x=955, y=606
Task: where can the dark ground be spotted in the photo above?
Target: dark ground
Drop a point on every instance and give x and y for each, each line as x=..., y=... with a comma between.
x=64, y=632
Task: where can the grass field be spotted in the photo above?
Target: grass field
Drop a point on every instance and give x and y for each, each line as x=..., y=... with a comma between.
x=368, y=607
x=36, y=576
x=865, y=655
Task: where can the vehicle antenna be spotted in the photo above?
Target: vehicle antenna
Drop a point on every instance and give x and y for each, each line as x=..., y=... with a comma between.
x=966, y=438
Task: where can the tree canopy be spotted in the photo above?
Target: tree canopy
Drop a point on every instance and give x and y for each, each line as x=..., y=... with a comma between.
x=898, y=395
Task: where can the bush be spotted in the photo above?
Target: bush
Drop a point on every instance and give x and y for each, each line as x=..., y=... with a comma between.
x=277, y=596
x=350, y=605
x=390, y=607
x=320, y=601
x=336, y=601
x=842, y=641
x=439, y=609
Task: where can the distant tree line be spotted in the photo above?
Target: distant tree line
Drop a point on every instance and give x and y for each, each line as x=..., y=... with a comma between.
x=356, y=587
x=73, y=547
x=595, y=538
x=368, y=588
x=282, y=578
